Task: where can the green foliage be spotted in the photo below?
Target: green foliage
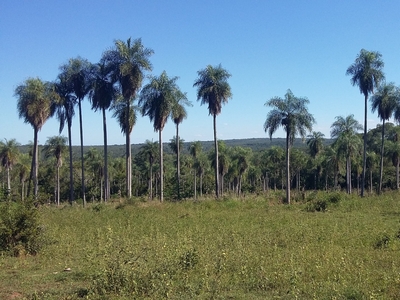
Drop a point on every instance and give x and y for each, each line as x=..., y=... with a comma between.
x=20, y=231
x=234, y=248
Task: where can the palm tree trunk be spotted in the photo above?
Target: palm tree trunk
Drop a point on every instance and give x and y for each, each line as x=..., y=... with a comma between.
x=287, y=167
x=365, y=146
x=151, y=180
x=370, y=181
x=35, y=163
x=58, y=185
x=216, y=156
x=195, y=187
x=82, y=160
x=381, y=164
x=71, y=176
x=161, y=167
x=8, y=181
x=128, y=152
x=201, y=185
x=178, y=165
x=106, y=183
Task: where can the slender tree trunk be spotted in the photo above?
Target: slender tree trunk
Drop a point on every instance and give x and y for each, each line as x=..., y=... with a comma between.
x=216, y=156
x=178, y=164
x=128, y=152
x=58, y=185
x=35, y=163
x=365, y=146
x=287, y=167
x=8, y=182
x=106, y=182
x=161, y=167
x=370, y=181
x=381, y=164
x=195, y=187
x=82, y=160
x=151, y=179
x=71, y=176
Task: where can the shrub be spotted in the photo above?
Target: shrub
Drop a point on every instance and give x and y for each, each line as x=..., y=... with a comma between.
x=317, y=205
x=20, y=231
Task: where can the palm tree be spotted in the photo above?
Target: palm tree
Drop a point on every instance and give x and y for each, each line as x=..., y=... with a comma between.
x=122, y=114
x=291, y=113
x=178, y=114
x=345, y=131
x=385, y=101
x=195, y=150
x=214, y=90
x=157, y=100
x=149, y=151
x=35, y=107
x=78, y=73
x=103, y=92
x=64, y=106
x=129, y=60
x=55, y=147
x=23, y=171
x=8, y=156
x=315, y=143
x=366, y=72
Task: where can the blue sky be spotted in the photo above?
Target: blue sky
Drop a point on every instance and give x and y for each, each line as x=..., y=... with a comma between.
x=267, y=46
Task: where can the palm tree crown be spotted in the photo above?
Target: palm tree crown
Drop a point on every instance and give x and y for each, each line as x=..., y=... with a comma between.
x=213, y=88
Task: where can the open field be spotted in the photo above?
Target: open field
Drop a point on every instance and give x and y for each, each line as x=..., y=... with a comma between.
x=250, y=248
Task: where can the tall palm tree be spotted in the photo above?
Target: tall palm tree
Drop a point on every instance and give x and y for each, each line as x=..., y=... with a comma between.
x=129, y=60
x=315, y=144
x=291, y=113
x=35, y=107
x=345, y=129
x=55, y=147
x=157, y=100
x=122, y=113
x=8, y=156
x=214, y=90
x=79, y=72
x=149, y=151
x=385, y=101
x=103, y=92
x=64, y=106
x=195, y=150
x=178, y=114
x=23, y=171
x=366, y=72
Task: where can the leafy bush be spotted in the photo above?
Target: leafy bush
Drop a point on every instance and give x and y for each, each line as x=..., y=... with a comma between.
x=20, y=231
x=317, y=205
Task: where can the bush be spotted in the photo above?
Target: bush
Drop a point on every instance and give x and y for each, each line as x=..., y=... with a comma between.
x=20, y=231
x=317, y=205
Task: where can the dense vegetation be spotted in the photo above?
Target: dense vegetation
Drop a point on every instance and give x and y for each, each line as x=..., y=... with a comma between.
x=327, y=246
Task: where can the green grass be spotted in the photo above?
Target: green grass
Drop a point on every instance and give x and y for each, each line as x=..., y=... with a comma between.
x=230, y=249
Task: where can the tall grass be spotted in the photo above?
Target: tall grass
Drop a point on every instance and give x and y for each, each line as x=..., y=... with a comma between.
x=249, y=248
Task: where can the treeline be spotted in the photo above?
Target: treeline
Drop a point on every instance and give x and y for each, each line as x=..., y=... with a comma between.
x=318, y=164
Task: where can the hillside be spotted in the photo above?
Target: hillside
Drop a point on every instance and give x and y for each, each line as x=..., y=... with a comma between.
x=256, y=144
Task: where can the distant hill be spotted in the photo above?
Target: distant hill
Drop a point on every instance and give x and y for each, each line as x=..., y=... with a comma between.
x=256, y=144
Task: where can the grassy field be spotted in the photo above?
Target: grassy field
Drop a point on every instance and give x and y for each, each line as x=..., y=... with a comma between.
x=252, y=248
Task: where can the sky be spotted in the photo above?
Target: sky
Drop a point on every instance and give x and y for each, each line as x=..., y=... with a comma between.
x=268, y=46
